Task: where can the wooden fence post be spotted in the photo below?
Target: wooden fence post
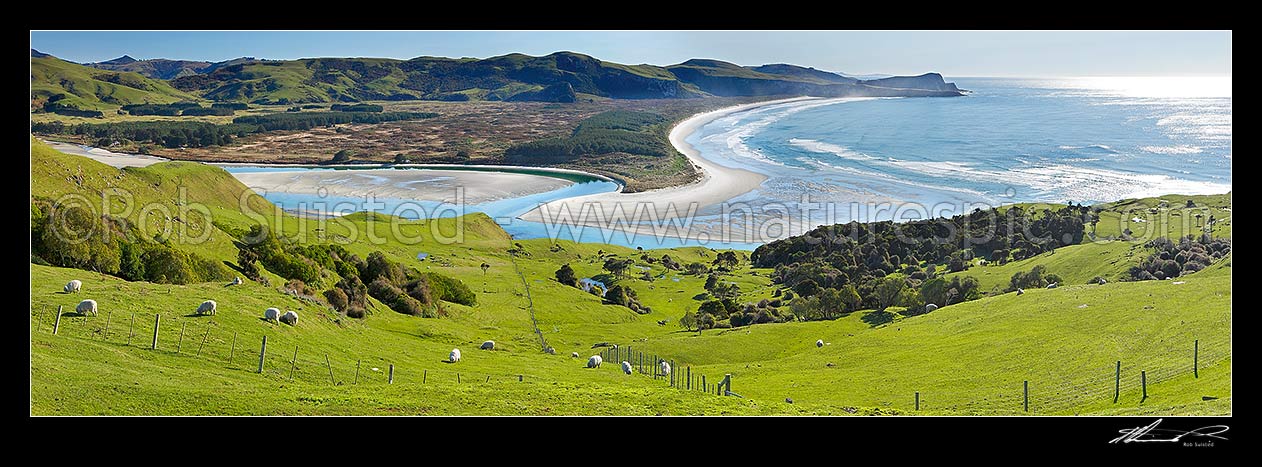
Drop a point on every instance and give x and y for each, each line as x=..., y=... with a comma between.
x=293, y=364
x=180, y=343
x=424, y=376
x=1196, y=357
x=390, y=379
x=57, y=322
x=519, y=378
x=1117, y=382
x=204, y=338
x=330, y=365
x=727, y=382
x=157, y=321
x=108, y=314
x=1143, y=384
x=262, y=354
x=704, y=386
x=131, y=329
x=1026, y=389
x=917, y=400
x=356, y=371
x=232, y=352
x=457, y=377
x=689, y=384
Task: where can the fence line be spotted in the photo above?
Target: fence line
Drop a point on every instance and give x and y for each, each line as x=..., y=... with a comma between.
x=530, y=303
x=241, y=351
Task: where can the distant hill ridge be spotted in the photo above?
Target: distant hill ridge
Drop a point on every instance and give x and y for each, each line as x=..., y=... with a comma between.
x=556, y=77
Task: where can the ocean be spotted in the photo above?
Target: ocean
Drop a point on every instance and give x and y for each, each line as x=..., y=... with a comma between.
x=1010, y=140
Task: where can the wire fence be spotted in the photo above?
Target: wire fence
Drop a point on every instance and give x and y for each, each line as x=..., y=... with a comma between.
x=274, y=356
x=283, y=359
x=530, y=304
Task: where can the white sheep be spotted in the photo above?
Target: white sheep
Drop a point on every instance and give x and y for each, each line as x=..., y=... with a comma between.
x=573, y=354
x=626, y=367
x=1020, y=291
x=206, y=308
x=665, y=369
x=73, y=286
x=271, y=314
x=86, y=306
x=930, y=307
x=235, y=281
x=455, y=356
x=594, y=361
x=1052, y=285
x=290, y=317
x=488, y=345
x=819, y=343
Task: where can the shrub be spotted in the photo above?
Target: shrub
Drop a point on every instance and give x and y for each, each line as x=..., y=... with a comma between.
x=337, y=298
x=566, y=275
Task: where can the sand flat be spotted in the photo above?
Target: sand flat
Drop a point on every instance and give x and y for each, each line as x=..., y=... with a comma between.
x=114, y=159
x=411, y=184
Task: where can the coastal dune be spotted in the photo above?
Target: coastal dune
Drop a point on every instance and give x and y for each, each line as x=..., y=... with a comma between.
x=717, y=184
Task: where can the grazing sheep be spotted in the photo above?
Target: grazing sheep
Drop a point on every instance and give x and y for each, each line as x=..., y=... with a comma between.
x=1020, y=291
x=1052, y=285
x=788, y=400
x=819, y=343
x=626, y=367
x=455, y=356
x=73, y=286
x=594, y=361
x=206, y=308
x=573, y=354
x=661, y=322
x=665, y=369
x=290, y=317
x=86, y=306
x=930, y=307
x=236, y=281
x=488, y=345
x=271, y=314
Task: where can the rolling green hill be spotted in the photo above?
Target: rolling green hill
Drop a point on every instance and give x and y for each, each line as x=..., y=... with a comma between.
x=968, y=358
x=79, y=87
x=557, y=77
x=1075, y=264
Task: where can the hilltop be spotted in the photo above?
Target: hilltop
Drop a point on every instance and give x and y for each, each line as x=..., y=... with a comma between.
x=58, y=85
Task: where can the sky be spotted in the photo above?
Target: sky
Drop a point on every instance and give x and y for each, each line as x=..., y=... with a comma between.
x=952, y=53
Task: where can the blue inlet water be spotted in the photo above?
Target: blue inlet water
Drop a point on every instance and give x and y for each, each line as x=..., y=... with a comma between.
x=1010, y=140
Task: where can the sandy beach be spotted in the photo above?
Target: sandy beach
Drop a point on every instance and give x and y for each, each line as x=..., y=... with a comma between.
x=717, y=184
x=428, y=184
x=115, y=159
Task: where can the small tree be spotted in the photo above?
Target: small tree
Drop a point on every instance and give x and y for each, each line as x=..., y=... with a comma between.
x=616, y=266
x=850, y=297
x=566, y=276
x=688, y=321
x=887, y=291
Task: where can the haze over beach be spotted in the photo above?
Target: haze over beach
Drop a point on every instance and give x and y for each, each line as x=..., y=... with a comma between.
x=651, y=223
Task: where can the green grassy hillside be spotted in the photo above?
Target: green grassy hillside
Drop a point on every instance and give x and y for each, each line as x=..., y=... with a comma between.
x=1075, y=264
x=88, y=88
x=1166, y=216
x=968, y=358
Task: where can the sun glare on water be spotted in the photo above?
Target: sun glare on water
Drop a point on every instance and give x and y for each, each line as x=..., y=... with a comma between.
x=1159, y=86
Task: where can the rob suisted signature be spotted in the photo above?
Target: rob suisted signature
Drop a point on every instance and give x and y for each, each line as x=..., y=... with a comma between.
x=1152, y=434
